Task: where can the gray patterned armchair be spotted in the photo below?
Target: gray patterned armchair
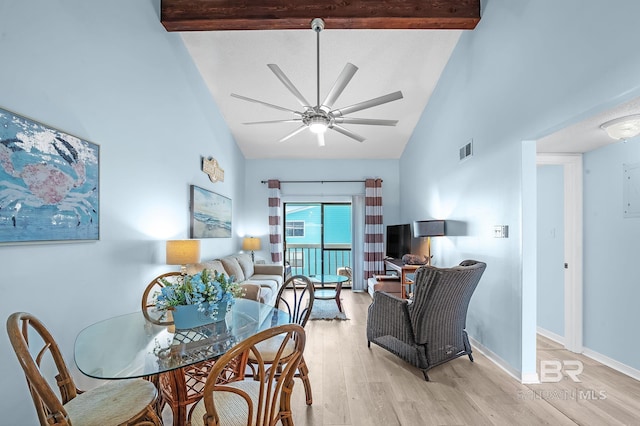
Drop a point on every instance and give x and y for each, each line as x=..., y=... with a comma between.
x=430, y=330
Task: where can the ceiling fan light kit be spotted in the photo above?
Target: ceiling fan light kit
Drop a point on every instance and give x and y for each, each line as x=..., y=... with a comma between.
x=318, y=124
x=623, y=128
x=322, y=116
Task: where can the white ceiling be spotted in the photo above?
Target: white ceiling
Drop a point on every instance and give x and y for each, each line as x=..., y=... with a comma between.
x=388, y=60
x=586, y=135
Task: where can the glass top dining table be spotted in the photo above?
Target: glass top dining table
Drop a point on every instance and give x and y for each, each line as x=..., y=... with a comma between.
x=132, y=345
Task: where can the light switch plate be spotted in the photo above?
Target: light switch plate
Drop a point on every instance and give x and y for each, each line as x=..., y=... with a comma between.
x=501, y=231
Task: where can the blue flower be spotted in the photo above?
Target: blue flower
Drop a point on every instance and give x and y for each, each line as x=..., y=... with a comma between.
x=198, y=289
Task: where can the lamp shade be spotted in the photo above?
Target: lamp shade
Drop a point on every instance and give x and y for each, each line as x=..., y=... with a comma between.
x=181, y=252
x=251, y=243
x=428, y=228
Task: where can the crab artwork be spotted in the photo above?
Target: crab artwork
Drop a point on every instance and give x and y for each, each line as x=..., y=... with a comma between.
x=48, y=183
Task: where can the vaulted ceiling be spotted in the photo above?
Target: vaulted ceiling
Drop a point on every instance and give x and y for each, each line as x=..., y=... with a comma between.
x=397, y=45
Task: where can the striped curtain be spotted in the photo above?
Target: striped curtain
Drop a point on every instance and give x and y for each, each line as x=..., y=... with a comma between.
x=275, y=221
x=373, y=229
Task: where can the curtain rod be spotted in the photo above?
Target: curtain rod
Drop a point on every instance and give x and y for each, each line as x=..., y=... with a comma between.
x=317, y=181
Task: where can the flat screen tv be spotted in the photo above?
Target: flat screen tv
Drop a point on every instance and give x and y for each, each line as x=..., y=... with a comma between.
x=398, y=240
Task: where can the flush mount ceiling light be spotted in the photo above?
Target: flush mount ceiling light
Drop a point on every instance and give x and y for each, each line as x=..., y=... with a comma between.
x=623, y=128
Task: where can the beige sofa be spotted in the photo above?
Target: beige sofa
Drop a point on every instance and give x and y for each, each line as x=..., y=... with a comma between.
x=260, y=281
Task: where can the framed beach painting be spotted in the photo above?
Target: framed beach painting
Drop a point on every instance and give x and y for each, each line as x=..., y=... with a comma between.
x=49, y=183
x=210, y=214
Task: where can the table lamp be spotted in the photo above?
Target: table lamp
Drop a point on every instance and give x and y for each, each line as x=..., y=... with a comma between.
x=251, y=243
x=428, y=229
x=181, y=252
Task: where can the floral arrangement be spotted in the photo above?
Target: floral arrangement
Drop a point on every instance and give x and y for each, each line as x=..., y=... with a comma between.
x=206, y=288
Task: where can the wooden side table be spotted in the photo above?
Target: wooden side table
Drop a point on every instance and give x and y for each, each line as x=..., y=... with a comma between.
x=398, y=266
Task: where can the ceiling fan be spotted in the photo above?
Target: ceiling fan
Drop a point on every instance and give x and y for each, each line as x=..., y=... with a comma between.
x=322, y=116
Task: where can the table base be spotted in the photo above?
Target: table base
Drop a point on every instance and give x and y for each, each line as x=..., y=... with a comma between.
x=182, y=387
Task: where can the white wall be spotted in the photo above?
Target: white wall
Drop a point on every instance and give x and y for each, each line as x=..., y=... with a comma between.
x=527, y=69
x=109, y=73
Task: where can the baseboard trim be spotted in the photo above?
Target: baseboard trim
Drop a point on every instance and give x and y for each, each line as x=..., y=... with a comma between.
x=612, y=363
x=551, y=335
x=596, y=356
x=503, y=365
x=533, y=378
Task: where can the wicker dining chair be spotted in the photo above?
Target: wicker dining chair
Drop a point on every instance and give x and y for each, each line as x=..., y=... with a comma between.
x=346, y=271
x=295, y=297
x=121, y=402
x=263, y=402
x=148, y=299
x=182, y=387
x=429, y=330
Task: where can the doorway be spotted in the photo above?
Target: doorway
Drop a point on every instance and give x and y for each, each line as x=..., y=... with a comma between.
x=570, y=179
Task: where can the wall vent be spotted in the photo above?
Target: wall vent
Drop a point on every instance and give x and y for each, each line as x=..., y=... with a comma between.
x=466, y=150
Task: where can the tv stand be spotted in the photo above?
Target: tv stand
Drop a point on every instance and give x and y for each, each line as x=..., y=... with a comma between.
x=402, y=270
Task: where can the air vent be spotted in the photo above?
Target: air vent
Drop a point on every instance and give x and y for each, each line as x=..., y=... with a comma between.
x=466, y=150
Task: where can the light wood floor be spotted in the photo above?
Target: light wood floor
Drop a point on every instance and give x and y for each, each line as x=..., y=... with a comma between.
x=355, y=385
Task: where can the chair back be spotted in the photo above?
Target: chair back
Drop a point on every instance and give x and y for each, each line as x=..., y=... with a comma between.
x=438, y=312
x=296, y=298
x=25, y=329
x=346, y=271
x=275, y=384
x=148, y=299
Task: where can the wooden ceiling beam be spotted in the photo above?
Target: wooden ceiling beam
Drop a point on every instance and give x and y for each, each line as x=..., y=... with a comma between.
x=217, y=15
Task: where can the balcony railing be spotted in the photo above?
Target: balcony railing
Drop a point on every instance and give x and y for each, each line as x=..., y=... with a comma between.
x=309, y=259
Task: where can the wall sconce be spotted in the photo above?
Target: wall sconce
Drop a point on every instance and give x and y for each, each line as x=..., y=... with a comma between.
x=182, y=252
x=428, y=229
x=623, y=128
x=251, y=244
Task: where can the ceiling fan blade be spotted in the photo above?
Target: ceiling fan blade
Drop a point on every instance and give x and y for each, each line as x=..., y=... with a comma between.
x=295, y=132
x=320, y=139
x=244, y=98
x=289, y=85
x=371, y=121
x=293, y=120
x=346, y=132
x=343, y=79
x=368, y=104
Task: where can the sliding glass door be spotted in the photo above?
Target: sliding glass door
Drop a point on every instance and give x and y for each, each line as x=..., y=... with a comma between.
x=317, y=237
